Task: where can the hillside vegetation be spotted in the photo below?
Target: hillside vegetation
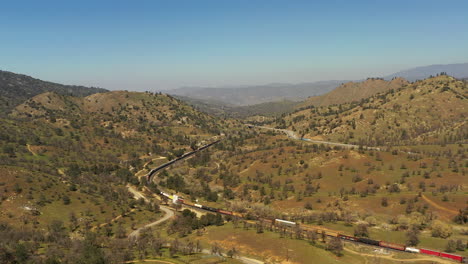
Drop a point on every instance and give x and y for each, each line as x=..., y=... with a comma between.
x=69, y=162
x=424, y=112
x=219, y=109
x=17, y=88
x=354, y=91
x=66, y=162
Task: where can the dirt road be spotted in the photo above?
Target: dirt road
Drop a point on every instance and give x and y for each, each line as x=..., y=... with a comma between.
x=169, y=214
x=418, y=257
x=440, y=207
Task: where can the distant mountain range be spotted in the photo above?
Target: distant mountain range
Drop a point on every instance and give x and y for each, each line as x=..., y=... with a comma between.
x=250, y=95
x=459, y=71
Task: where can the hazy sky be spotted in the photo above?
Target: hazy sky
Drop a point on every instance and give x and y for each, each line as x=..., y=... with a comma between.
x=153, y=45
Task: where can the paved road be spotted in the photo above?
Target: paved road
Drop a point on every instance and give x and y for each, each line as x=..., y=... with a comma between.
x=293, y=135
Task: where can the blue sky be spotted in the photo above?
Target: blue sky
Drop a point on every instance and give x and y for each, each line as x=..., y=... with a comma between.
x=153, y=45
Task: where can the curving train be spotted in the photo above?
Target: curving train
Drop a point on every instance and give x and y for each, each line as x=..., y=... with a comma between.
x=184, y=156
x=320, y=230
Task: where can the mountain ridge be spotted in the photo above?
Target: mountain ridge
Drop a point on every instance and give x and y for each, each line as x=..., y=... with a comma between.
x=16, y=88
x=355, y=91
x=457, y=70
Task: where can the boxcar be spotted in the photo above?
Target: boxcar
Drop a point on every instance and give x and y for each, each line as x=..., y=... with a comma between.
x=368, y=241
x=188, y=203
x=429, y=252
x=267, y=221
x=221, y=211
x=392, y=245
x=212, y=209
x=412, y=250
x=284, y=222
x=452, y=256
x=237, y=214
x=351, y=238
x=331, y=233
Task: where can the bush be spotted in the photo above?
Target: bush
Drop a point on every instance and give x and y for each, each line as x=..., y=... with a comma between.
x=361, y=231
x=66, y=200
x=451, y=246
x=335, y=245
x=440, y=229
x=384, y=202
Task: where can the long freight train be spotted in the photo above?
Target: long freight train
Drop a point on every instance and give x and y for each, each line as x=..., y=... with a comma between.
x=186, y=155
x=321, y=230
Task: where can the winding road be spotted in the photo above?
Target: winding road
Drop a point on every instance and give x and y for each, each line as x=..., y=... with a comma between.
x=138, y=195
x=169, y=214
x=293, y=135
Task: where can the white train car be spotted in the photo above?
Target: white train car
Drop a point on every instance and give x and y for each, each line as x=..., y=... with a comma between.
x=284, y=222
x=412, y=250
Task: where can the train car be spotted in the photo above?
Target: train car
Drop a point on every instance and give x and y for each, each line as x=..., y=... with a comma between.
x=452, y=256
x=369, y=241
x=350, y=238
x=212, y=209
x=251, y=222
x=188, y=203
x=267, y=221
x=429, y=252
x=284, y=222
x=221, y=211
x=331, y=233
x=412, y=250
x=236, y=214
x=392, y=245
x=198, y=205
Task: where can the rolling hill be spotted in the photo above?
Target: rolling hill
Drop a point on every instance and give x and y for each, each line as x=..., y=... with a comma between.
x=354, y=91
x=427, y=111
x=17, y=88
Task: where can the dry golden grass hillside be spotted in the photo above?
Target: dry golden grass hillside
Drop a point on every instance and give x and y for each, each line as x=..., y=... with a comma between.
x=354, y=91
x=429, y=111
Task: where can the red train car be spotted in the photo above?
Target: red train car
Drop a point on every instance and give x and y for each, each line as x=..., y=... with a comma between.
x=429, y=252
x=392, y=245
x=451, y=256
x=221, y=211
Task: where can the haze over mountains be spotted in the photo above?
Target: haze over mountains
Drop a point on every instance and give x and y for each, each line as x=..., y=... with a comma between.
x=459, y=70
x=249, y=95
